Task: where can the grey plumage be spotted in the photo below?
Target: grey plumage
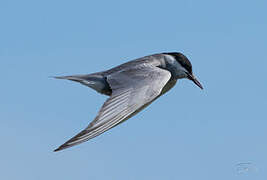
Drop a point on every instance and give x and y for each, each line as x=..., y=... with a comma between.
x=131, y=87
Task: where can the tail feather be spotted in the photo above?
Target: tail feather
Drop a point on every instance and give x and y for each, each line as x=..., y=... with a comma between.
x=77, y=78
x=95, y=81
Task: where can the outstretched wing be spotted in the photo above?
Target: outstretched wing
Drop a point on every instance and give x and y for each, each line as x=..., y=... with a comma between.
x=132, y=89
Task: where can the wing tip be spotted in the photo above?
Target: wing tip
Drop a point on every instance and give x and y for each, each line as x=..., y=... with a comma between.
x=72, y=142
x=58, y=149
x=64, y=146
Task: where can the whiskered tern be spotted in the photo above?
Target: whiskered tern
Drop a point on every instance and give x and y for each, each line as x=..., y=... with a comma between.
x=131, y=87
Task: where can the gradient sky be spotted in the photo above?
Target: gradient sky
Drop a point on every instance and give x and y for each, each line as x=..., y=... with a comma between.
x=186, y=134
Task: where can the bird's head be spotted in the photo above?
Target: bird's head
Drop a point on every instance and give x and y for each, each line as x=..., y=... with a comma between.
x=182, y=67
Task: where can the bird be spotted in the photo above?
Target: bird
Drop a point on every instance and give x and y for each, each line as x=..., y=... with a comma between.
x=131, y=87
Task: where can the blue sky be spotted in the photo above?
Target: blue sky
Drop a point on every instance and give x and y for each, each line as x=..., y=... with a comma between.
x=186, y=134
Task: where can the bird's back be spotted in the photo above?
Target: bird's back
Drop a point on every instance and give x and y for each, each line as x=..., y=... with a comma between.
x=153, y=60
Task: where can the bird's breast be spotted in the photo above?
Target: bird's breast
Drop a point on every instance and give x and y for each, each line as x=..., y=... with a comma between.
x=168, y=86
